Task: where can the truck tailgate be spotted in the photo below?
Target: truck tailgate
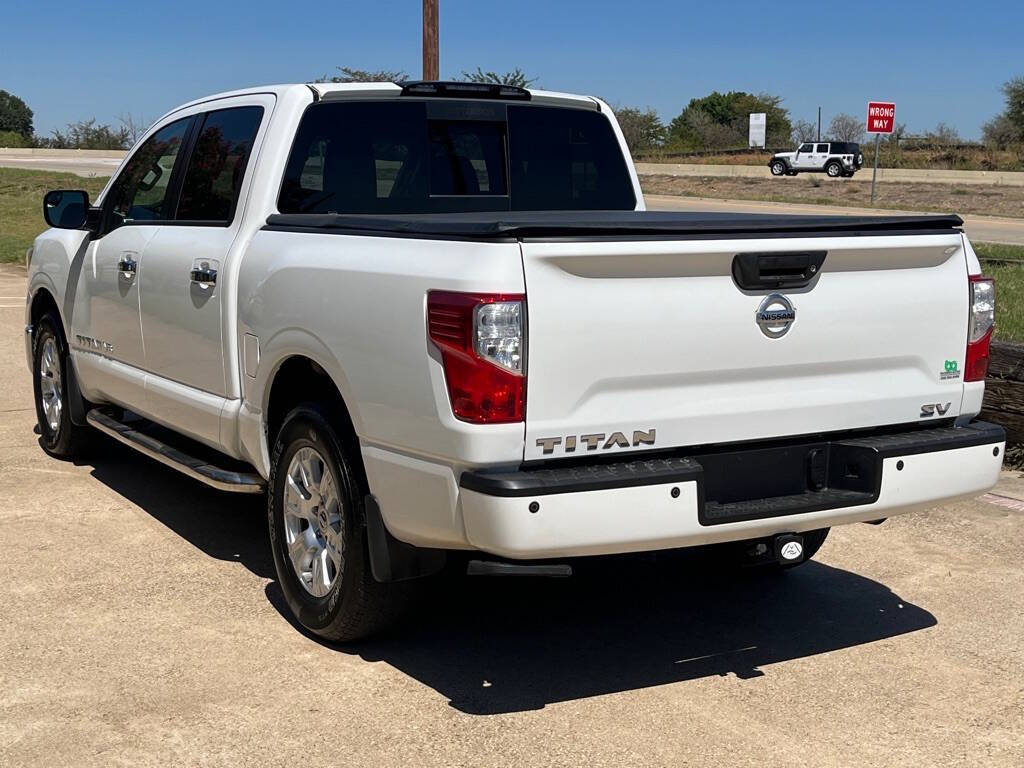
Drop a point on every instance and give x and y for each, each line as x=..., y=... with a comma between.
x=629, y=337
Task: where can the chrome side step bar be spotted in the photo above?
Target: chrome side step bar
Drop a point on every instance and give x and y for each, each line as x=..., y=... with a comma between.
x=198, y=469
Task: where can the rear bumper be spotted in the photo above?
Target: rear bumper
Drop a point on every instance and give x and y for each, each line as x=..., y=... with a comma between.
x=725, y=495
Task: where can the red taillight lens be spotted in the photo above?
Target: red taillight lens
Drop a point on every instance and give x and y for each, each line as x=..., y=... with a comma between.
x=482, y=343
x=982, y=326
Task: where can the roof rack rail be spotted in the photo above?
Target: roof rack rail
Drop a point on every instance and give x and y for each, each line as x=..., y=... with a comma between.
x=454, y=89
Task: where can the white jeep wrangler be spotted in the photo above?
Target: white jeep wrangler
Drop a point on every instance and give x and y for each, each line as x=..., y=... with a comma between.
x=835, y=158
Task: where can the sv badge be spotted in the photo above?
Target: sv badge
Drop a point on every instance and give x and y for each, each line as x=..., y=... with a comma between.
x=930, y=409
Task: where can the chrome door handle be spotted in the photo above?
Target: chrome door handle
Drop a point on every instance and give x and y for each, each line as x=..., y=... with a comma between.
x=128, y=267
x=204, y=274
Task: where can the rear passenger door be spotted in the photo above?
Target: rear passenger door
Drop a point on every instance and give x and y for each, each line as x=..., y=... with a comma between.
x=820, y=155
x=187, y=270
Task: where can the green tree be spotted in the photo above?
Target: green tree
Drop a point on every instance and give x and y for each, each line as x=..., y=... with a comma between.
x=350, y=75
x=13, y=139
x=1013, y=90
x=642, y=128
x=1008, y=126
x=516, y=78
x=15, y=115
x=999, y=132
x=87, y=135
x=721, y=120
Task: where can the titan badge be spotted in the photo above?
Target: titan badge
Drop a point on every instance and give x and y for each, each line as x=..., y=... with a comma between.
x=597, y=441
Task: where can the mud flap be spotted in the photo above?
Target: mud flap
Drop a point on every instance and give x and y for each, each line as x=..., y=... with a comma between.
x=394, y=560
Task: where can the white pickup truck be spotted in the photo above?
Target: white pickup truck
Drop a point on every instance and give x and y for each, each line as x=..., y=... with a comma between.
x=434, y=318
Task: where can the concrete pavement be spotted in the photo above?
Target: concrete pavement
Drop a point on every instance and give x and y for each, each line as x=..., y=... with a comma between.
x=83, y=162
x=142, y=625
x=989, y=229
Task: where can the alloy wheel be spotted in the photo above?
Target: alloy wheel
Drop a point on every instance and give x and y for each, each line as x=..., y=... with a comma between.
x=312, y=522
x=50, y=390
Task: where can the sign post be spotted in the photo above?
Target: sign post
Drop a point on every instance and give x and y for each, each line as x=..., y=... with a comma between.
x=881, y=119
x=758, y=125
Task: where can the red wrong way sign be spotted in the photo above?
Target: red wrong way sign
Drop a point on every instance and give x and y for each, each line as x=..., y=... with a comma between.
x=881, y=116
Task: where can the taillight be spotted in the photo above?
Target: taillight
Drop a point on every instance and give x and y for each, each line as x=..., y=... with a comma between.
x=982, y=326
x=483, y=349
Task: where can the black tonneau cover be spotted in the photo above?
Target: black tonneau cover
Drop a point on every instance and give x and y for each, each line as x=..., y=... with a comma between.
x=626, y=224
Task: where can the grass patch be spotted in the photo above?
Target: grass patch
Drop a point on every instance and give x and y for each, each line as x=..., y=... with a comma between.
x=1006, y=264
x=21, y=206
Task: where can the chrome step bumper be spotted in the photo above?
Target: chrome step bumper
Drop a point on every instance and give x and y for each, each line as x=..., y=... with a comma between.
x=198, y=469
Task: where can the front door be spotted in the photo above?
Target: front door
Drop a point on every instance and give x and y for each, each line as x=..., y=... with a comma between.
x=105, y=321
x=802, y=159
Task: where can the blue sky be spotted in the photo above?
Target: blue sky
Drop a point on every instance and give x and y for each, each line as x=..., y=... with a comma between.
x=939, y=61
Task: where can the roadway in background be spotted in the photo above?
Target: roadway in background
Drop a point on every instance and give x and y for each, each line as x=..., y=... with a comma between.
x=980, y=228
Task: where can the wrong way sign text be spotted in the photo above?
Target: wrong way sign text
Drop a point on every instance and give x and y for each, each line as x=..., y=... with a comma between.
x=881, y=116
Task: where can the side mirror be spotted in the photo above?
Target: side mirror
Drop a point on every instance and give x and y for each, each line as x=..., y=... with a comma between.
x=66, y=208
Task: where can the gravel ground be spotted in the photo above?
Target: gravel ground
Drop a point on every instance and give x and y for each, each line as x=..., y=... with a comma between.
x=142, y=626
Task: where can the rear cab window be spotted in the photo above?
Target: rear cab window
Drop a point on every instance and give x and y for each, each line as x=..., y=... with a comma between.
x=452, y=155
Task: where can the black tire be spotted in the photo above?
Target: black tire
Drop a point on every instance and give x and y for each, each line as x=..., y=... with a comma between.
x=833, y=169
x=356, y=605
x=58, y=435
x=778, y=168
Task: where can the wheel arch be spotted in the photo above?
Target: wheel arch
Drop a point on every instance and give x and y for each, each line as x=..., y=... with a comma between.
x=42, y=301
x=299, y=378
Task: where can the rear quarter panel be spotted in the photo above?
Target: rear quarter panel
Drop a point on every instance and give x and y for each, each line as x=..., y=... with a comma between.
x=357, y=306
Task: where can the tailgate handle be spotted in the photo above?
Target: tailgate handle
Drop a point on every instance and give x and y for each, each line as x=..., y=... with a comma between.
x=757, y=271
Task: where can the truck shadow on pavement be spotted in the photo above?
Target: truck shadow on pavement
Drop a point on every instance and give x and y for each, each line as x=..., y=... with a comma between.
x=494, y=645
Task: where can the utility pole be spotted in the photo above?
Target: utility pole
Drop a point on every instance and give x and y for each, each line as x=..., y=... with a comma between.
x=431, y=63
x=819, y=123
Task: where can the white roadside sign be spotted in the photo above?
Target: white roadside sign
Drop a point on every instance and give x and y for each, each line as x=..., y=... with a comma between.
x=758, y=123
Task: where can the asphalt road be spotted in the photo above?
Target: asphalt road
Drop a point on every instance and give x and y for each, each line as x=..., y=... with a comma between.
x=142, y=625
x=988, y=229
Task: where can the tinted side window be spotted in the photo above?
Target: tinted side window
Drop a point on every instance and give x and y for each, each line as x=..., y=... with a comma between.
x=823, y=148
x=566, y=159
x=217, y=164
x=806, y=148
x=358, y=158
x=140, y=192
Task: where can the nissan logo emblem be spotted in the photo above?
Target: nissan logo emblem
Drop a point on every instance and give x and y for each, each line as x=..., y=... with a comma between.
x=775, y=316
